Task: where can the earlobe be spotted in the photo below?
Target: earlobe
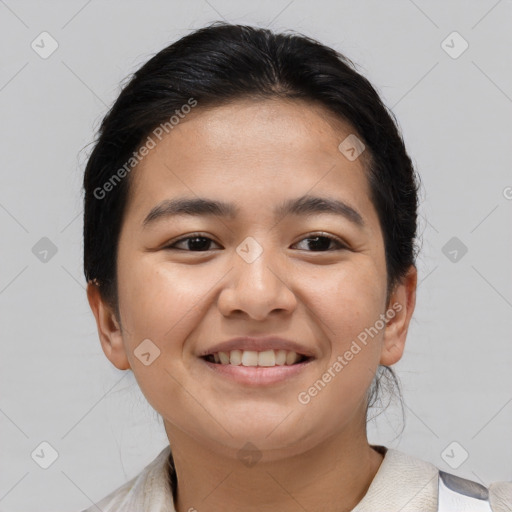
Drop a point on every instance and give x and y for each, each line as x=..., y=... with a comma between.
x=399, y=313
x=109, y=330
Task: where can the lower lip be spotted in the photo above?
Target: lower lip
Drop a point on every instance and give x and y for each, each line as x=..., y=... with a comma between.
x=257, y=375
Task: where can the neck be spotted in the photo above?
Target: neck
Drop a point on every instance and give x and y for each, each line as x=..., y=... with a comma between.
x=333, y=476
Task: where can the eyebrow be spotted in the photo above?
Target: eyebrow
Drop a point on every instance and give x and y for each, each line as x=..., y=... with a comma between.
x=305, y=205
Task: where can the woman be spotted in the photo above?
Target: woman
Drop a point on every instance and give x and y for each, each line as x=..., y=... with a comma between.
x=249, y=246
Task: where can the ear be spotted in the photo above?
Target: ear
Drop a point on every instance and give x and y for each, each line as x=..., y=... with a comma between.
x=402, y=302
x=109, y=329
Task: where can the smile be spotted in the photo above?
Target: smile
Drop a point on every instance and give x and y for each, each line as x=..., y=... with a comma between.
x=266, y=358
x=257, y=368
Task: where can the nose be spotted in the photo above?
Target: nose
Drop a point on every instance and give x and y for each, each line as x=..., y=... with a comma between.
x=257, y=287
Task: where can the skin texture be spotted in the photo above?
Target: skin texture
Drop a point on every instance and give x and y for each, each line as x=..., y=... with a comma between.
x=256, y=153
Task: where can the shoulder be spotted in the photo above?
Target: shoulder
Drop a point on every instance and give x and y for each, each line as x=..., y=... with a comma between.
x=150, y=488
x=454, y=492
x=500, y=496
x=402, y=482
x=408, y=483
x=466, y=494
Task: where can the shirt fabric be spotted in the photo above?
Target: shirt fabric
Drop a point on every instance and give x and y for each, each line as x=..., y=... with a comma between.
x=402, y=483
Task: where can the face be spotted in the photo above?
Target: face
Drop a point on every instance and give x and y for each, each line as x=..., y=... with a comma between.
x=189, y=280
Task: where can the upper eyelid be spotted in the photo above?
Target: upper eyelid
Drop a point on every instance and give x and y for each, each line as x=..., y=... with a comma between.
x=341, y=243
x=193, y=235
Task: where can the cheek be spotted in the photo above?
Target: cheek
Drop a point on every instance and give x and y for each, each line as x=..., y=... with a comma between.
x=348, y=298
x=161, y=301
x=349, y=305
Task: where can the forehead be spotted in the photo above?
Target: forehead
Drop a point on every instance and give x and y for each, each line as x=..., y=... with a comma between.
x=251, y=150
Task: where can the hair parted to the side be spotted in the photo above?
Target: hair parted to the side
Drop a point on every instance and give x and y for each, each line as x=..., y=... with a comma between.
x=223, y=62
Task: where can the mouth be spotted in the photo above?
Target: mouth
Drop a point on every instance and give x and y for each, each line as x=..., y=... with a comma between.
x=253, y=358
x=256, y=368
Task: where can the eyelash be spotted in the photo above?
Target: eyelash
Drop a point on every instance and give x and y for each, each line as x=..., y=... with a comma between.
x=341, y=245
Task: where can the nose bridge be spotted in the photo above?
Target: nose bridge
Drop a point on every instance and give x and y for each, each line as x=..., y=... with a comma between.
x=253, y=258
x=257, y=286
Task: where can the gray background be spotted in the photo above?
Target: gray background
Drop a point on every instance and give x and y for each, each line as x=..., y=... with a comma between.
x=455, y=114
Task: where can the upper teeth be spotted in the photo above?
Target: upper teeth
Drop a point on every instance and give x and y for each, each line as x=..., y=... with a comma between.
x=254, y=358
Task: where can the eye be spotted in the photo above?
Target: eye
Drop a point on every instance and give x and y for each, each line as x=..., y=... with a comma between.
x=321, y=242
x=196, y=242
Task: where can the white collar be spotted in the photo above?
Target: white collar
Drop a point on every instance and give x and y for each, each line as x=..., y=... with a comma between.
x=402, y=482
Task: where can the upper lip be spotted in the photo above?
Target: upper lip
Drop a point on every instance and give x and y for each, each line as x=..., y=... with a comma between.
x=258, y=344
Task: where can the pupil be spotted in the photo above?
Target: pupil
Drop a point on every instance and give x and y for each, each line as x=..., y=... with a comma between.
x=320, y=245
x=198, y=246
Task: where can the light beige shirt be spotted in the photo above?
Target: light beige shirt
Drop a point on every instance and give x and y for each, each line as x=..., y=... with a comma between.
x=402, y=483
